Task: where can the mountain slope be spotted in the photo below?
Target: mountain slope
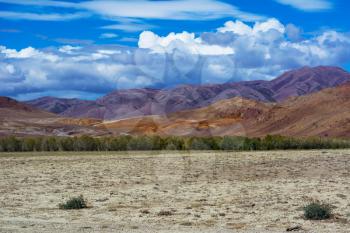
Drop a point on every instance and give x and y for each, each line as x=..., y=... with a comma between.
x=20, y=119
x=10, y=108
x=215, y=119
x=307, y=80
x=123, y=104
x=325, y=113
x=57, y=105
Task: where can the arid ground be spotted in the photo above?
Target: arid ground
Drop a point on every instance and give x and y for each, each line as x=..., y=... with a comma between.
x=173, y=191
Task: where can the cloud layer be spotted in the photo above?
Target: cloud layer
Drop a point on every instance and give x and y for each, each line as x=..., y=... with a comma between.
x=308, y=5
x=236, y=51
x=135, y=9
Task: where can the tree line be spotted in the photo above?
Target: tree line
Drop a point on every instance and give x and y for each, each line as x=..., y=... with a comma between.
x=125, y=143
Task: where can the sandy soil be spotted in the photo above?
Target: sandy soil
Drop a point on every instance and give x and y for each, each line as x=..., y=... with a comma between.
x=174, y=192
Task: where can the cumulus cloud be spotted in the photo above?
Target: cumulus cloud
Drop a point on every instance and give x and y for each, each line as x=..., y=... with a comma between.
x=28, y=53
x=180, y=41
x=293, y=32
x=236, y=51
x=243, y=29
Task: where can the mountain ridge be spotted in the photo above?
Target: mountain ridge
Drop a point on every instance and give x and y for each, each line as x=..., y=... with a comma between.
x=122, y=104
x=324, y=113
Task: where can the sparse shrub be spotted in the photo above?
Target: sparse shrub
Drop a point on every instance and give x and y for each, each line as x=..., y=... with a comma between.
x=145, y=212
x=165, y=213
x=74, y=203
x=317, y=210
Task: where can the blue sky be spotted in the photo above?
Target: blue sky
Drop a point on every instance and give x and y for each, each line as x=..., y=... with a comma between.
x=89, y=27
x=141, y=43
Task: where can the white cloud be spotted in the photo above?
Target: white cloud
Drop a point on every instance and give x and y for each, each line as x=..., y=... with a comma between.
x=24, y=53
x=108, y=35
x=237, y=27
x=176, y=41
x=293, y=32
x=271, y=24
x=69, y=49
x=146, y=9
x=128, y=27
x=10, y=69
x=308, y=5
x=28, y=53
x=241, y=28
x=42, y=3
x=40, y=17
x=175, y=10
x=237, y=51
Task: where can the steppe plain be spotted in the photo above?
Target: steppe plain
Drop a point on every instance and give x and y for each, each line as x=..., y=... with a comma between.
x=169, y=191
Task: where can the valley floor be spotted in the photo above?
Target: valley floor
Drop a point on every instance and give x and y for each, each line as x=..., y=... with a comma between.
x=173, y=191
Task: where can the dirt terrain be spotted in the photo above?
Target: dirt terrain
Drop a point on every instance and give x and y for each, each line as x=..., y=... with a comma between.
x=173, y=191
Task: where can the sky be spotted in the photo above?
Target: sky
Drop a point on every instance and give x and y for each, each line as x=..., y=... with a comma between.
x=88, y=48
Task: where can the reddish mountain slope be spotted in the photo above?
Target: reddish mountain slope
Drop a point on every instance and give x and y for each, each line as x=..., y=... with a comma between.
x=215, y=119
x=10, y=108
x=21, y=120
x=140, y=102
x=307, y=80
x=57, y=105
x=325, y=113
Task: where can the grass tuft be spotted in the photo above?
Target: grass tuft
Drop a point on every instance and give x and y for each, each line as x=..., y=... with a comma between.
x=317, y=210
x=74, y=203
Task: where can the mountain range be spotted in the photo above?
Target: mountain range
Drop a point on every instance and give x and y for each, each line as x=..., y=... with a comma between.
x=325, y=113
x=303, y=102
x=122, y=104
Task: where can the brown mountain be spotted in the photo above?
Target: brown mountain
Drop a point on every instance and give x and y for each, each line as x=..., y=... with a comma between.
x=307, y=80
x=123, y=104
x=10, y=108
x=57, y=105
x=21, y=119
x=216, y=119
x=325, y=113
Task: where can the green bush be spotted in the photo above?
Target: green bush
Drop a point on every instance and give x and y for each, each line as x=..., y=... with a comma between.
x=317, y=211
x=74, y=203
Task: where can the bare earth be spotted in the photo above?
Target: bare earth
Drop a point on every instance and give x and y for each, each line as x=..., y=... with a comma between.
x=173, y=191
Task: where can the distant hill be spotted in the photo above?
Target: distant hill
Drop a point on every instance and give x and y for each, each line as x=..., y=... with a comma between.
x=10, y=108
x=20, y=119
x=122, y=104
